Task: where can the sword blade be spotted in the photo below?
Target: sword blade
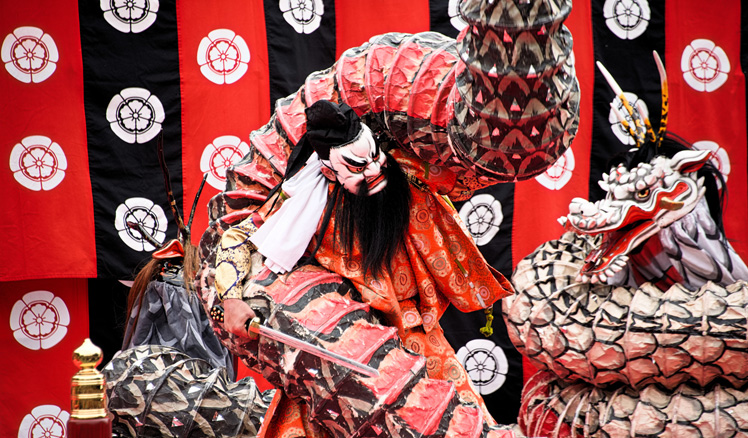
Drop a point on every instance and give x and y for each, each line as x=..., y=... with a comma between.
x=313, y=349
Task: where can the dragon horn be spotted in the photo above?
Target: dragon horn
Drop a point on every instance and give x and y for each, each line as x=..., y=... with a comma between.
x=665, y=101
x=635, y=132
x=647, y=124
x=621, y=118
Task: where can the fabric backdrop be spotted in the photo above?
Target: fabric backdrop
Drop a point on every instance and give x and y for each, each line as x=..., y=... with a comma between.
x=87, y=87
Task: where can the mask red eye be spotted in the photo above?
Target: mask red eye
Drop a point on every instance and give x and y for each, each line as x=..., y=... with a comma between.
x=355, y=169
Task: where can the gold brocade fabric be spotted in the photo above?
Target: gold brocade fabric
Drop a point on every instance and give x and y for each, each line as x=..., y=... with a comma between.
x=290, y=420
x=234, y=259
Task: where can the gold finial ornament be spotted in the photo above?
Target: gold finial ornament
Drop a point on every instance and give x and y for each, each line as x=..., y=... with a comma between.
x=88, y=399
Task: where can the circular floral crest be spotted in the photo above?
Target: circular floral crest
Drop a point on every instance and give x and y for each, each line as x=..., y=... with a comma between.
x=135, y=115
x=719, y=157
x=130, y=15
x=219, y=155
x=483, y=216
x=627, y=19
x=38, y=163
x=705, y=65
x=29, y=54
x=556, y=176
x=45, y=421
x=453, y=10
x=39, y=320
x=304, y=16
x=223, y=56
x=144, y=212
x=485, y=363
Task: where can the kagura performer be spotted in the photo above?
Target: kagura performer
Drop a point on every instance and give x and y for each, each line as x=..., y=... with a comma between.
x=357, y=247
x=378, y=219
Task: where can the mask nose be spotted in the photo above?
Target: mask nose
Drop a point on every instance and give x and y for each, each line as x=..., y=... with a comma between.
x=372, y=169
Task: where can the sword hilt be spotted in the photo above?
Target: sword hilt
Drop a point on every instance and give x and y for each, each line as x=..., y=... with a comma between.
x=252, y=325
x=216, y=313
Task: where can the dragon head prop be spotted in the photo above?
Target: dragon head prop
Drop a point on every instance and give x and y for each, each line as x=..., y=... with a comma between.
x=642, y=198
x=639, y=203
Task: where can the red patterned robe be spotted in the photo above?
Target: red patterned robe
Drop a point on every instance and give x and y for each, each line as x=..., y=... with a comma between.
x=439, y=265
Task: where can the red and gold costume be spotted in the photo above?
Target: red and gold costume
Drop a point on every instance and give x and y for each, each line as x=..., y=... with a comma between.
x=438, y=265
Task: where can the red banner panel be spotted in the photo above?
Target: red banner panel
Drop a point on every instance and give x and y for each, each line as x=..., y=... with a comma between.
x=225, y=92
x=707, y=96
x=356, y=22
x=47, y=222
x=48, y=320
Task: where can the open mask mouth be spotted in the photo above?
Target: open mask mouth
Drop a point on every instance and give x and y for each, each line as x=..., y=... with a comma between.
x=376, y=184
x=616, y=244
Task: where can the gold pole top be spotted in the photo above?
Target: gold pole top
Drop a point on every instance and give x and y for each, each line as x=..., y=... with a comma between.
x=88, y=399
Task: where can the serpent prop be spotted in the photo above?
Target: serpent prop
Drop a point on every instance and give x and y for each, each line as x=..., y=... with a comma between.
x=637, y=315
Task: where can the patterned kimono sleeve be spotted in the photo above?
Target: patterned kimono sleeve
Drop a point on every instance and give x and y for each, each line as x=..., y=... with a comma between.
x=236, y=259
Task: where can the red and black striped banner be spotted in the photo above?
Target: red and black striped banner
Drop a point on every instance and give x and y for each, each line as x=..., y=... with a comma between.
x=87, y=88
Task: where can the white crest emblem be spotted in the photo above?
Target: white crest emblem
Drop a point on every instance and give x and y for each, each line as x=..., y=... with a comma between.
x=219, y=155
x=304, y=16
x=130, y=15
x=135, y=115
x=705, y=65
x=140, y=211
x=485, y=363
x=223, y=56
x=45, y=421
x=38, y=163
x=719, y=158
x=616, y=126
x=627, y=19
x=29, y=54
x=453, y=10
x=482, y=216
x=556, y=176
x=39, y=320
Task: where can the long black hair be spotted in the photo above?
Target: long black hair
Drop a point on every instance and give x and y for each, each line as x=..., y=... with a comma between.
x=378, y=222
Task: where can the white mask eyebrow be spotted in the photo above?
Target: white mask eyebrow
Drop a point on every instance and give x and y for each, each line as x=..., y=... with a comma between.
x=351, y=158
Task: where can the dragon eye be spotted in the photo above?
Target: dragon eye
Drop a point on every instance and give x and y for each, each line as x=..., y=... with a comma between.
x=642, y=194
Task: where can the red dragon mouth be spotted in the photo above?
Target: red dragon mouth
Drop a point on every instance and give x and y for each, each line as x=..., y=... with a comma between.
x=615, y=245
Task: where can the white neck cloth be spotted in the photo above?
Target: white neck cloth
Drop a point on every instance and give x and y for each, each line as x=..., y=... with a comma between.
x=284, y=237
